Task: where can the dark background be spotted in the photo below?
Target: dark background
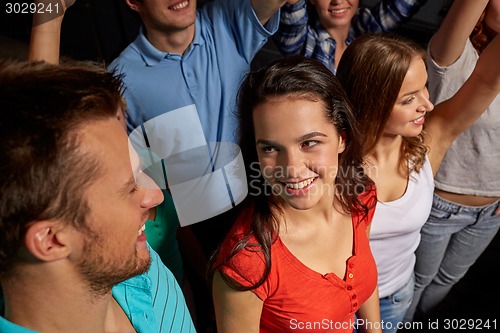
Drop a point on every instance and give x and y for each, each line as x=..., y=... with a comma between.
x=100, y=29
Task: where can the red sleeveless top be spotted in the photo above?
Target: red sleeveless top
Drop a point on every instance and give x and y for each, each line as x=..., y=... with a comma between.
x=297, y=298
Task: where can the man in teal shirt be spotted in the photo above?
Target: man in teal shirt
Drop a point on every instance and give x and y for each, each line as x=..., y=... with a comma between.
x=73, y=254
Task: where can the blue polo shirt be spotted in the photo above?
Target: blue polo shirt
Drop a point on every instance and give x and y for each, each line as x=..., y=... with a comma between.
x=227, y=37
x=152, y=301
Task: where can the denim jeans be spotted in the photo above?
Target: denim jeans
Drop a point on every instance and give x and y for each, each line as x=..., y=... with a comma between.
x=393, y=308
x=453, y=238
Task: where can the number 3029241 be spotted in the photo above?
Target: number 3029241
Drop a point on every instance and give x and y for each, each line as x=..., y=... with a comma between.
x=32, y=8
x=470, y=324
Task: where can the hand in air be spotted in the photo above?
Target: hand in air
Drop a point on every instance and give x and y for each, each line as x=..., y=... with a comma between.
x=48, y=10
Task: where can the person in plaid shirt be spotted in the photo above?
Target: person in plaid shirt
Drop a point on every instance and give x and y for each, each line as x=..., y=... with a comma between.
x=322, y=29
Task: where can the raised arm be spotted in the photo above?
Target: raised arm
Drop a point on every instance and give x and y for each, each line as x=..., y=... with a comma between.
x=235, y=311
x=453, y=116
x=291, y=36
x=46, y=31
x=448, y=42
x=264, y=9
x=46, y=35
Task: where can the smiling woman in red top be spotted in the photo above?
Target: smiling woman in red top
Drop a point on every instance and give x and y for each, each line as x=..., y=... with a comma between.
x=297, y=258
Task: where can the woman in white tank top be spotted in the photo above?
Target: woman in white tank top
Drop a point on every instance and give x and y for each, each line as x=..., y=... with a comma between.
x=385, y=77
x=465, y=214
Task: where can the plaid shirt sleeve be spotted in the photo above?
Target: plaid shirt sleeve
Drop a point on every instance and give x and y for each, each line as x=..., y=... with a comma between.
x=385, y=16
x=291, y=36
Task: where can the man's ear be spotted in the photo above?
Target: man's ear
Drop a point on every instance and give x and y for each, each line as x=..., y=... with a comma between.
x=342, y=139
x=46, y=240
x=133, y=4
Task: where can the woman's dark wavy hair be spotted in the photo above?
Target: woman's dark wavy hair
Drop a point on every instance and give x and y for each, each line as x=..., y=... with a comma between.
x=372, y=70
x=294, y=77
x=482, y=35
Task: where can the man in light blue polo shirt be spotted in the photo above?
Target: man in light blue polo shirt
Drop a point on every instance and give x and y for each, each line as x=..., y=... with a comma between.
x=186, y=57
x=182, y=75
x=73, y=253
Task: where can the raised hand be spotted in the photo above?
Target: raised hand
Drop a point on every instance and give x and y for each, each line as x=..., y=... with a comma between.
x=46, y=29
x=48, y=10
